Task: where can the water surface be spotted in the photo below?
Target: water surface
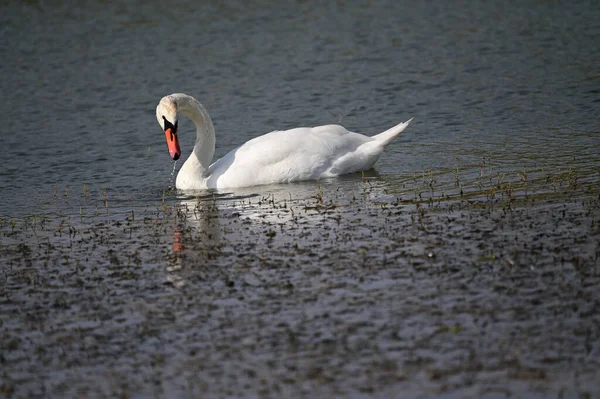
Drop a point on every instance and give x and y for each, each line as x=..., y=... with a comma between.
x=518, y=84
x=466, y=264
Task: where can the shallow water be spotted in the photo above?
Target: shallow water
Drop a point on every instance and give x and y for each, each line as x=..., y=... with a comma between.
x=465, y=265
x=353, y=291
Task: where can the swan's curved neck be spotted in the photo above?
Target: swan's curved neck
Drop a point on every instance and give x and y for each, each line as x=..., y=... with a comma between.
x=204, y=148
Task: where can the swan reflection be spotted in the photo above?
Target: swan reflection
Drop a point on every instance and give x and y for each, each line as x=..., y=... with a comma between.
x=213, y=223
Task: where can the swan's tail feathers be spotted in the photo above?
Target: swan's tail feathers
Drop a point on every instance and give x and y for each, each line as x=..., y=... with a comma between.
x=386, y=137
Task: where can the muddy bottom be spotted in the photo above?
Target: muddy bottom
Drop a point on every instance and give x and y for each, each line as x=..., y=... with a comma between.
x=424, y=287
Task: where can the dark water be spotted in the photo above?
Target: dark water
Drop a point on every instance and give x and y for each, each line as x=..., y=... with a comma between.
x=518, y=83
x=467, y=264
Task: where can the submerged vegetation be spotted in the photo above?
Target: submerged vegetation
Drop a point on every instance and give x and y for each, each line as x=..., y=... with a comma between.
x=467, y=280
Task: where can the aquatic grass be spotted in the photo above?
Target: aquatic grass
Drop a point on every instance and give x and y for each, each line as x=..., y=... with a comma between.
x=235, y=265
x=319, y=195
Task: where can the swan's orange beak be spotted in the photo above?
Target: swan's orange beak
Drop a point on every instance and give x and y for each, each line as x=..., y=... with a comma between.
x=173, y=143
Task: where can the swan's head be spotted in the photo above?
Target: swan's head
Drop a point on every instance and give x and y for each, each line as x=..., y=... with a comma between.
x=166, y=115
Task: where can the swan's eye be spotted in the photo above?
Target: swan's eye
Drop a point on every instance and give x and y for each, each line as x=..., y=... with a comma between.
x=169, y=125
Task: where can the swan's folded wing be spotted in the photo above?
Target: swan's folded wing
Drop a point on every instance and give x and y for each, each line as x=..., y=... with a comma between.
x=284, y=156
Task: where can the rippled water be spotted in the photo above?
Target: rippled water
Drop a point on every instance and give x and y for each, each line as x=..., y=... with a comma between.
x=467, y=264
x=518, y=84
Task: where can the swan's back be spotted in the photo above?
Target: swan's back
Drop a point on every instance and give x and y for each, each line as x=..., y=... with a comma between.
x=295, y=154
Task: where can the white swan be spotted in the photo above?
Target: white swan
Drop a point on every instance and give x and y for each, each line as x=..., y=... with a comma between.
x=277, y=157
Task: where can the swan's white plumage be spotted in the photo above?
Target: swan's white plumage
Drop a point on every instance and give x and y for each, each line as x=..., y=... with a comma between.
x=277, y=157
